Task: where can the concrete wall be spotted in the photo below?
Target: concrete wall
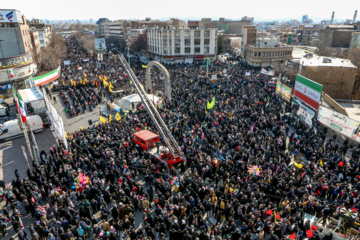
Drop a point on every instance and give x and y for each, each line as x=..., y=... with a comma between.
x=12, y=44
x=338, y=82
x=325, y=38
x=341, y=38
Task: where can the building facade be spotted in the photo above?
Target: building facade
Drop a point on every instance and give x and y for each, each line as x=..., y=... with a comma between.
x=229, y=26
x=44, y=32
x=35, y=41
x=336, y=36
x=16, y=61
x=337, y=75
x=266, y=51
x=182, y=45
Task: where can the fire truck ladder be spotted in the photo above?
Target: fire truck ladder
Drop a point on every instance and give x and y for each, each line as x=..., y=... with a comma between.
x=154, y=114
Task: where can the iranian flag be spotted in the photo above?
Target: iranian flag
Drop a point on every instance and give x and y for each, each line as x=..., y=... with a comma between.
x=48, y=77
x=11, y=72
x=20, y=105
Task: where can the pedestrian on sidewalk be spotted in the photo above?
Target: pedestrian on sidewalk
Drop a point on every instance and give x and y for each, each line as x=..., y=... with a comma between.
x=54, y=98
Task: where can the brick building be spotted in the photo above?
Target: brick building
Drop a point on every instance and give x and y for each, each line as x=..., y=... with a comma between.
x=337, y=75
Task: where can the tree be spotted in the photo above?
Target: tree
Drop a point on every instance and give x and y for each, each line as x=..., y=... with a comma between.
x=139, y=44
x=51, y=55
x=220, y=45
x=87, y=41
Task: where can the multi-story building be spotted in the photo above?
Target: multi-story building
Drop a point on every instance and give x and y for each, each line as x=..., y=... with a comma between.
x=336, y=36
x=35, y=41
x=43, y=30
x=337, y=75
x=148, y=23
x=113, y=31
x=308, y=32
x=182, y=45
x=193, y=24
x=229, y=26
x=16, y=63
x=266, y=51
x=134, y=33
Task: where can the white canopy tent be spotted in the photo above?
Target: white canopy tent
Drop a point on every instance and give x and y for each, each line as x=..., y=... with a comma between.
x=130, y=102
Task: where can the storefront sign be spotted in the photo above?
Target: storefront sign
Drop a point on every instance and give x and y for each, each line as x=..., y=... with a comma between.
x=10, y=16
x=15, y=61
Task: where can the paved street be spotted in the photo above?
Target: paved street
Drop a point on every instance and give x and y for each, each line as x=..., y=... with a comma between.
x=73, y=124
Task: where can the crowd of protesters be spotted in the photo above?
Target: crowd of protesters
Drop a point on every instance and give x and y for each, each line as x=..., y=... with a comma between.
x=236, y=180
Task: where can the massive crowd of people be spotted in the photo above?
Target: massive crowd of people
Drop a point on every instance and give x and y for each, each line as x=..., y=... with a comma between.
x=236, y=180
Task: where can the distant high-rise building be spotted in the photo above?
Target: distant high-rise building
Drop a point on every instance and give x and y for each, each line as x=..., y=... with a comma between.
x=304, y=18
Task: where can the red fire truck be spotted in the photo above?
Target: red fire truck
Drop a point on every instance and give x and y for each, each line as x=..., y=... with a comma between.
x=147, y=140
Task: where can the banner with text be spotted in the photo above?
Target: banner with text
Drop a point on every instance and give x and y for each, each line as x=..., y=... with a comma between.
x=283, y=90
x=340, y=123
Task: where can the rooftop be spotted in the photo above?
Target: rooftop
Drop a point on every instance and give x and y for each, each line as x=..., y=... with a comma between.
x=319, y=61
x=342, y=26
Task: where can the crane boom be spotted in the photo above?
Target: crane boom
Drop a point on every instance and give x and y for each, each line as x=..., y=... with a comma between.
x=154, y=114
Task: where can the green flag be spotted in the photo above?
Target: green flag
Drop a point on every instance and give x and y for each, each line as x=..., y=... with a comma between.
x=211, y=105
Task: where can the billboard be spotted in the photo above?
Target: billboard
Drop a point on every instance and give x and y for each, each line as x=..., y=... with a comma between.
x=100, y=45
x=266, y=72
x=308, y=91
x=306, y=114
x=340, y=123
x=10, y=16
x=283, y=90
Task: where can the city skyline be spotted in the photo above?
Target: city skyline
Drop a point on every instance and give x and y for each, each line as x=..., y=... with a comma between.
x=280, y=10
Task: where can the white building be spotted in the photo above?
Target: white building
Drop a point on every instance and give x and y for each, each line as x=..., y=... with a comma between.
x=44, y=36
x=43, y=30
x=182, y=45
x=134, y=33
x=112, y=30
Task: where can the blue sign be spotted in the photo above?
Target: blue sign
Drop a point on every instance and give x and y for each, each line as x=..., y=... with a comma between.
x=6, y=86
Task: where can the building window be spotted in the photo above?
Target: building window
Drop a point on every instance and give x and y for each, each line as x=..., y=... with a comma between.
x=177, y=42
x=263, y=54
x=165, y=42
x=196, y=41
x=165, y=51
x=206, y=41
x=187, y=50
x=207, y=33
x=177, y=50
x=197, y=33
x=197, y=50
x=206, y=49
x=187, y=42
x=42, y=41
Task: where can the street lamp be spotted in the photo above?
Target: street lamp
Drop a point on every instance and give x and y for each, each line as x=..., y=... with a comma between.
x=2, y=52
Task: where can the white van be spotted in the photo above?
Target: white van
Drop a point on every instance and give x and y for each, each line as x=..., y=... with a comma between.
x=35, y=123
x=11, y=129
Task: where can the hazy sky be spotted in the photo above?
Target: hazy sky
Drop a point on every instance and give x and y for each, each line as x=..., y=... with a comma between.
x=139, y=9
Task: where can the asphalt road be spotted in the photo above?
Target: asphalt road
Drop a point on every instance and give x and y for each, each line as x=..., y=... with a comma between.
x=74, y=123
